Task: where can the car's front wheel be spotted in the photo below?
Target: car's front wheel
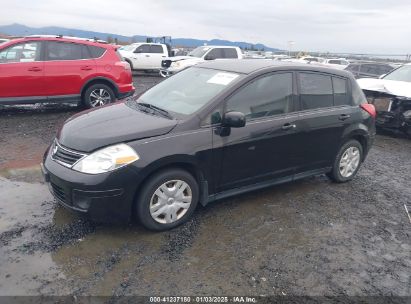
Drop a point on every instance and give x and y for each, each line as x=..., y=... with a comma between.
x=98, y=95
x=347, y=163
x=167, y=200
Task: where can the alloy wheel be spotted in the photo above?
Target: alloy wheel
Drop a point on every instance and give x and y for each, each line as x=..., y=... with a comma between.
x=349, y=162
x=99, y=97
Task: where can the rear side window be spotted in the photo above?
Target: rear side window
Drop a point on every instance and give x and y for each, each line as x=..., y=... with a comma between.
x=230, y=53
x=340, y=91
x=335, y=61
x=95, y=51
x=158, y=49
x=66, y=51
x=315, y=91
x=265, y=96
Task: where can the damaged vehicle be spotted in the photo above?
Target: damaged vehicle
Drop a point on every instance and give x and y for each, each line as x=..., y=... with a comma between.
x=391, y=96
x=176, y=64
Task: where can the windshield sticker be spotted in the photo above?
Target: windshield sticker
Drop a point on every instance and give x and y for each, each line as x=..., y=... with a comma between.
x=222, y=78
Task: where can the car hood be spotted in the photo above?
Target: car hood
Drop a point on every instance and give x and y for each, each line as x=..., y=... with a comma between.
x=116, y=123
x=398, y=88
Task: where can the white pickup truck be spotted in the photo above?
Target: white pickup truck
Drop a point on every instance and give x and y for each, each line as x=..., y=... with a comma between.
x=144, y=56
x=175, y=64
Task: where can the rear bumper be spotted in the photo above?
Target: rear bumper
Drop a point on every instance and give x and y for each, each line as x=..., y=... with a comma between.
x=122, y=95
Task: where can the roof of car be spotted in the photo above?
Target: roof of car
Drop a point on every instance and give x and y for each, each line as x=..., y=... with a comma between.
x=249, y=66
x=99, y=43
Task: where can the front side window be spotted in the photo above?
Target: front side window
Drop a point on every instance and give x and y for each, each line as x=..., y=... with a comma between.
x=66, y=51
x=265, y=96
x=214, y=54
x=199, y=52
x=145, y=48
x=22, y=52
x=353, y=68
x=189, y=90
x=316, y=91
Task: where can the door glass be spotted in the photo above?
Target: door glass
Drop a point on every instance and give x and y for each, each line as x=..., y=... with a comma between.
x=66, y=51
x=157, y=49
x=23, y=52
x=266, y=96
x=340, y=91
x=315, y=91
x=145, y=48
x=230, y=53
x=214, y=54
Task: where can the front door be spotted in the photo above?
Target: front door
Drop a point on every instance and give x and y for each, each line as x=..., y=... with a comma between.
x=264, y=148
x=22, y=71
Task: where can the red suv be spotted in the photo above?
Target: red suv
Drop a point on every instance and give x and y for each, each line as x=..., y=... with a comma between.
x=62, y=69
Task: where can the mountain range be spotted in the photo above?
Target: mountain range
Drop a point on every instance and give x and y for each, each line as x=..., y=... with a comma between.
x=23, y=30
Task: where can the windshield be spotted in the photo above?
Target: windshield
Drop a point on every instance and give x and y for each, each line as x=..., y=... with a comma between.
x=401, y=74
x=128, y=48
x=188, y=91
x=199, y=52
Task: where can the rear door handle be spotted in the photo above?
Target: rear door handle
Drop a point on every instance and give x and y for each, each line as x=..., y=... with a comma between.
x=288, y=126
x=344, y=116
x=34, y=69
x=147, y=55
x=86, y=68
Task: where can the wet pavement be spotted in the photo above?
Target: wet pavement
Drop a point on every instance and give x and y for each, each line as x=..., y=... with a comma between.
x=311, y=237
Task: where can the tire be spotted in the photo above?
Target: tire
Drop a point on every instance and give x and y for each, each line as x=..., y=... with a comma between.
x=163, y=204
x=97, y=95
x=338, y=174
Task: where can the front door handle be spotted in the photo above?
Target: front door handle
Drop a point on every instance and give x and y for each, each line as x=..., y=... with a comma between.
x=288, y=126
x=147, y=55
x=34, y=69
x=344, y=116
x=86, y=68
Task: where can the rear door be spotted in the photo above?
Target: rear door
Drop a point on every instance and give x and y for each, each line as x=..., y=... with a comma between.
x=157, y=54
x=325, y=112
x=67, y=67
x=22, y=71
x=263, y=149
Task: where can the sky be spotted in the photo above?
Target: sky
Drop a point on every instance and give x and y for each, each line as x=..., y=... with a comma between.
x=362, y=26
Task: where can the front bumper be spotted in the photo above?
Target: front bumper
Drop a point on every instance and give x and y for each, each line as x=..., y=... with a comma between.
x=107, y=197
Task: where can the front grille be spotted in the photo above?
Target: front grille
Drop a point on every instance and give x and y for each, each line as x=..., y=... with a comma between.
x=58, y=192
x=64, y=156
x=166, y=63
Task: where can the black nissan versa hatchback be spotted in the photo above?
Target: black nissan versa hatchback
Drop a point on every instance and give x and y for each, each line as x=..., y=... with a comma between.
x=214, y=130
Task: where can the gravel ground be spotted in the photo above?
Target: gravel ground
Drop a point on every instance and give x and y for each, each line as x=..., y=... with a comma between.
x=310, y=237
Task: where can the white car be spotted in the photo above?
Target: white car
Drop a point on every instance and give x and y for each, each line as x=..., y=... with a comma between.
x=3, y=40
x=175, y=64
x=144, y=56
x=336, y=63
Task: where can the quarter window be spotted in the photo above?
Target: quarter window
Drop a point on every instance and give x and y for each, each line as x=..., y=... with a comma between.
x=23, y=52
x=315, y=91
x=340, y=91
x=96, y=52
x=66, y=51
x=266, y=96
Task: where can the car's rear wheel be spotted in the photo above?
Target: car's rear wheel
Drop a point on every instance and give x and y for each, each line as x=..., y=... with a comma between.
x=98, y=95
x=167, y=200
x=347, y=163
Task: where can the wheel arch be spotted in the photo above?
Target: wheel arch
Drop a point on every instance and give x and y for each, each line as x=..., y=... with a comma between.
x=361, y=136
x=102, y=80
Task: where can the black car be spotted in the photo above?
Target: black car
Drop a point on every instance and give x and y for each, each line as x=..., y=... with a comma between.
x=214, y=130
x=368, y=69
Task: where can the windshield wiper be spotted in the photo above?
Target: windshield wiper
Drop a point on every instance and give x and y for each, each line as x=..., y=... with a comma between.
x=156, y=109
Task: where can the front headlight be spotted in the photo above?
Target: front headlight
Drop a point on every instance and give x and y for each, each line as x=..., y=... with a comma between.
x=107, y=159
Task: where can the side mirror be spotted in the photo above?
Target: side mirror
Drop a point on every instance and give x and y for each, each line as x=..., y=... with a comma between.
x=233, y=120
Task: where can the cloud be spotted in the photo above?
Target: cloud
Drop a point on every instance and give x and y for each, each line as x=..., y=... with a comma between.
x=326, y=25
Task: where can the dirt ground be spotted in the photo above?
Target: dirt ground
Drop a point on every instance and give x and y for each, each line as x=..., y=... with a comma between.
x=310, y=237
